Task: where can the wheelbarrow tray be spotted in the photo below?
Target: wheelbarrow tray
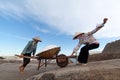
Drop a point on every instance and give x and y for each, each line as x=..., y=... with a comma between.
x=49, y=54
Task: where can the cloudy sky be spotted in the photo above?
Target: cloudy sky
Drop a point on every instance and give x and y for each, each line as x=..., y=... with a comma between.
x=55, y=21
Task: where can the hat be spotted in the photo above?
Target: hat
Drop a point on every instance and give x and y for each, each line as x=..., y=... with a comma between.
x=37, y=38
x=77, y=34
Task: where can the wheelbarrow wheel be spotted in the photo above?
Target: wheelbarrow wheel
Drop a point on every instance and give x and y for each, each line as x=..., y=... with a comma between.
x=62, y=60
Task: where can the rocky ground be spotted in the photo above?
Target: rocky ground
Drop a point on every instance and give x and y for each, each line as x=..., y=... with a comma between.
x=97, y=70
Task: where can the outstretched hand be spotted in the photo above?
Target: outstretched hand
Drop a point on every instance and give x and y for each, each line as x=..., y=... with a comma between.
x=33, y=56
x=21, y=56
x=105, y=20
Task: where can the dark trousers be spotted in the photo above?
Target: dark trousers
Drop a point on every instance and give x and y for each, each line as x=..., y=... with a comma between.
x=26, y=60
x=84, y=53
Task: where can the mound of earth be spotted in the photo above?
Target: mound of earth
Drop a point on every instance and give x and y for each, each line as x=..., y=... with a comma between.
x=100, y=70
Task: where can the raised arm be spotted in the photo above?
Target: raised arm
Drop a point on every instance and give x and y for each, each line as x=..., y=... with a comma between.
x=98, y=27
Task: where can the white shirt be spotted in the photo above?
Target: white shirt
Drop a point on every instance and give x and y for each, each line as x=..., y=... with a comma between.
x=87, y=38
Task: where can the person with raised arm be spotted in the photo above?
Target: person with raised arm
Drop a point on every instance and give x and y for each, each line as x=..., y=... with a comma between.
x=89, y=41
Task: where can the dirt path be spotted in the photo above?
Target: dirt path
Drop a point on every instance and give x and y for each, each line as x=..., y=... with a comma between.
x=9, y=71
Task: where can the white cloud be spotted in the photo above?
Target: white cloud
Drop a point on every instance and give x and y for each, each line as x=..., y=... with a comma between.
x=69, y=16
x=14, y=36
x=12, y=9
x=40, y=29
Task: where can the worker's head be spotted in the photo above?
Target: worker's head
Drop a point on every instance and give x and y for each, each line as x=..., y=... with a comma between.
x=77, y=34
x=37, y=39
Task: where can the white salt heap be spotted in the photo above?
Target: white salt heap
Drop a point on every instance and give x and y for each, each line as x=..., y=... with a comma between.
x=49, y=47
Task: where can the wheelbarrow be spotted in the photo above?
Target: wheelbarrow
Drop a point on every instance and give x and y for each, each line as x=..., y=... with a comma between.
x=61, y=59
x=50, y=54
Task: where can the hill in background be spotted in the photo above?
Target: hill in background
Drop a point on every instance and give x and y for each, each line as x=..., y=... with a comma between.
x=111, y=51
x=113, y=47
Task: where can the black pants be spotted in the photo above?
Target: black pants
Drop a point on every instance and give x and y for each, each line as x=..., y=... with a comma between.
x=84, y=53
x=26, y=60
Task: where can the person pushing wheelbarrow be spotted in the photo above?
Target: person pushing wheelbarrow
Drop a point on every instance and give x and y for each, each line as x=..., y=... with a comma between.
x=29, y=50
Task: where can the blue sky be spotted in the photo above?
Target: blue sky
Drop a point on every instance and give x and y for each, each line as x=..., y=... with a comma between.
x=55, y=22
